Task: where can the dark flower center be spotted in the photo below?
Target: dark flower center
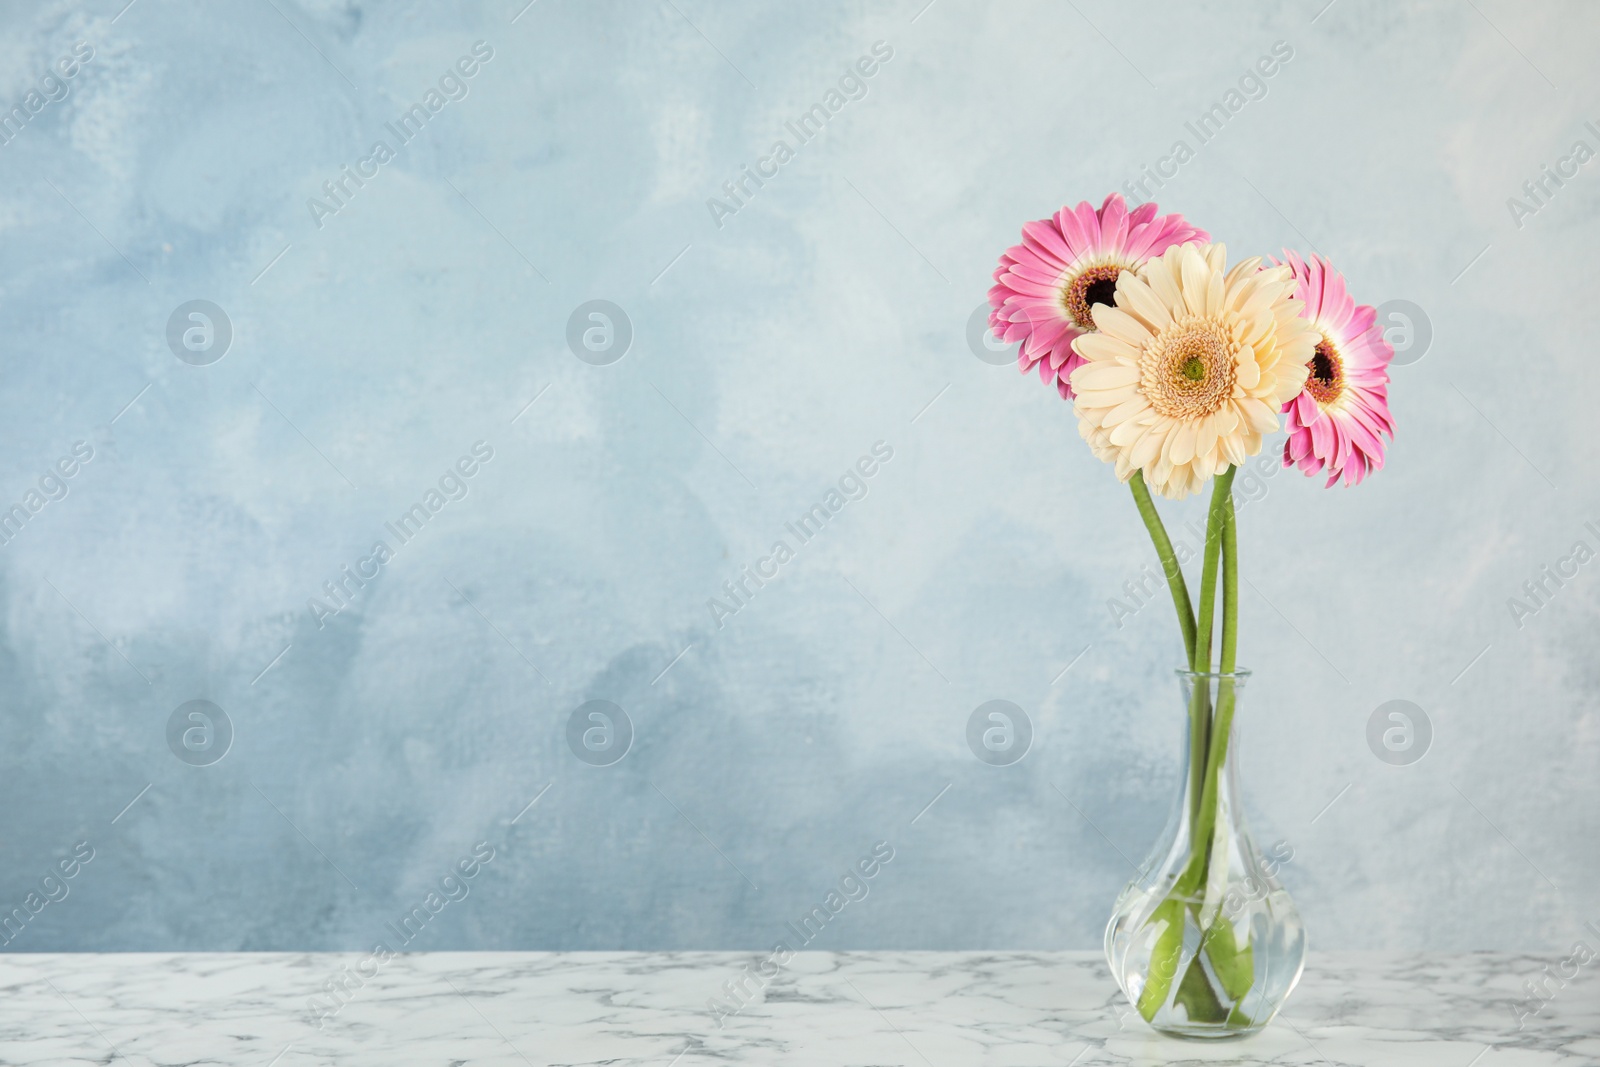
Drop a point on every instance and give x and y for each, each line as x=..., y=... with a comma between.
x=1097, y=285
x=1103, y=291
x=1326, y=381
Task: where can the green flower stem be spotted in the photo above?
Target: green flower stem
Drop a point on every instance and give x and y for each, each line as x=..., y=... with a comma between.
x=1221, y=496
x=1232, y=963
x=1169, y=561
x=1166, y=954
x=1230, y=588
x=1222, y=724
x=1199, y=736
x=1164, y=957
x=1200, y=653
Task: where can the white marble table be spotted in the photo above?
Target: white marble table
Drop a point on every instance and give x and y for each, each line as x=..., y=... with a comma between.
x=918, y=1009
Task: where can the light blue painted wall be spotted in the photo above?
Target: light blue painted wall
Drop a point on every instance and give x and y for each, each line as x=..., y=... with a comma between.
x=768, y=355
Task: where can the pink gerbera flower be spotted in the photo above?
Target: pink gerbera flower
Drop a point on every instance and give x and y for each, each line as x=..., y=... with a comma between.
x=1065, y=265
x=1339, y=420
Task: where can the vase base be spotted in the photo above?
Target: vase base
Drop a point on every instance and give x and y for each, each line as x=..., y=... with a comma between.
x=1207, y=1033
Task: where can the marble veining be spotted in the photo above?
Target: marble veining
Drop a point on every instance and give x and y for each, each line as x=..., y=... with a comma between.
x=855, y=1009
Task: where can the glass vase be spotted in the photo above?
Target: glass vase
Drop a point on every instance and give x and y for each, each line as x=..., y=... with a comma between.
x=1204, y=941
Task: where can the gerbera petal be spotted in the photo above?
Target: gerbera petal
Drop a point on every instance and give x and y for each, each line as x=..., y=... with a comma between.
x=1113, y=221
x=1183, y=442
x=1105, y=374
x=1144, y=449
x=1248, y=372
x=1125, y=433
x=1140, y=298
x=1126, y=410
x=1196, y=282
x=1257, y=415
x=1120, y=324
x=1089, y=224
x=1099, y=346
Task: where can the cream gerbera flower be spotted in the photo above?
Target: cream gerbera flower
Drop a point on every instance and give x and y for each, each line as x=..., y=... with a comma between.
x=1191, y=367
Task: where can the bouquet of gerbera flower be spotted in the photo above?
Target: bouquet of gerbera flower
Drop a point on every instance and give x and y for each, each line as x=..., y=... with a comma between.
x=1178, y=367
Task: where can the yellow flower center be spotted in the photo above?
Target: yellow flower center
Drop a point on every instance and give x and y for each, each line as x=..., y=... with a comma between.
x=1326, y=381
x=1097, y=285
x=1187, y=371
